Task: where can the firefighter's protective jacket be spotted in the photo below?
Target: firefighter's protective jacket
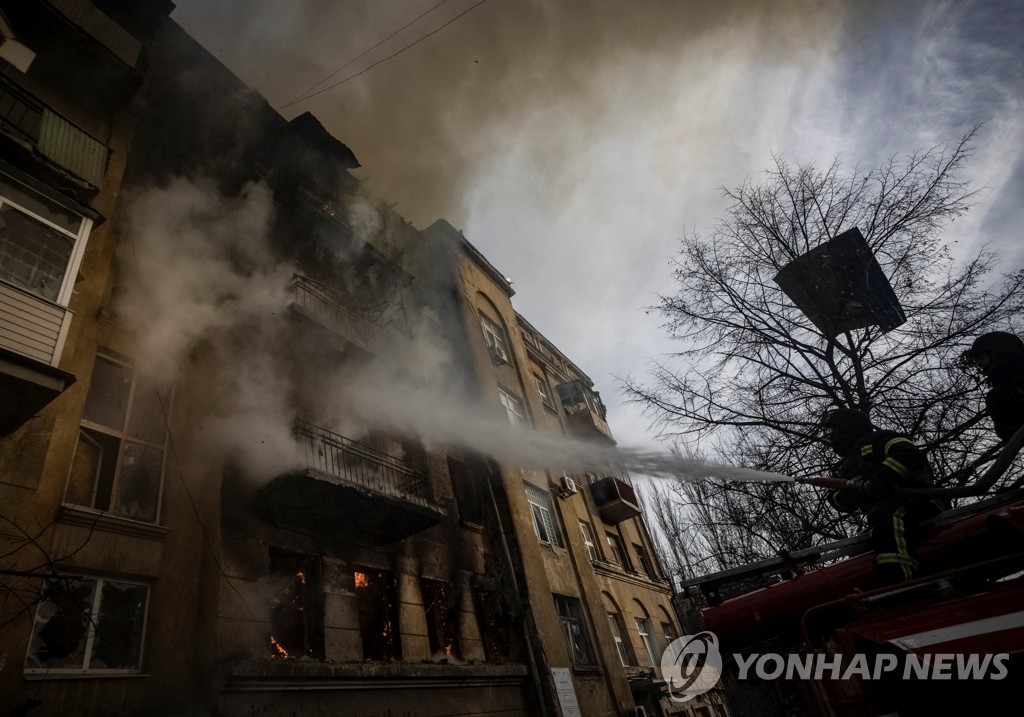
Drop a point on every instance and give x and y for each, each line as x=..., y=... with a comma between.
x=883, y=461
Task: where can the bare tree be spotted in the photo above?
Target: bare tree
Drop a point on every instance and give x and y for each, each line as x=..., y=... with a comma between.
x=755, y=375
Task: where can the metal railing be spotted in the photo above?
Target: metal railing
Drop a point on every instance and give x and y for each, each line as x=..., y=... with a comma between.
x=358, y=464
x=318, y=302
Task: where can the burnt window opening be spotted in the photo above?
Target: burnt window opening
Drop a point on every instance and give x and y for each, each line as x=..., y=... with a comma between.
x=296, y=609
x=442, y=619
x=377, y=597
x=493, y=627
x=467, y=482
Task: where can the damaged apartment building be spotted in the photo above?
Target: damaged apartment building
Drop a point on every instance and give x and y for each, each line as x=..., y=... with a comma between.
x=277, y=524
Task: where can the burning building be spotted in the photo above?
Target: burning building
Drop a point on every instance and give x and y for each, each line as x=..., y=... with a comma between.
x=263, y=440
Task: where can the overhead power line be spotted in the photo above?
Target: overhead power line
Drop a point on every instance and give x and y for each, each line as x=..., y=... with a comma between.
x=389, y=57
x=305, y=92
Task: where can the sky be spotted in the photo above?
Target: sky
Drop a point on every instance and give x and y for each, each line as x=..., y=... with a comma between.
x=575, y=142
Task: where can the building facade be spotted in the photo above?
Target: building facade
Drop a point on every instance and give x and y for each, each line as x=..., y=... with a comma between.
x=249, y=454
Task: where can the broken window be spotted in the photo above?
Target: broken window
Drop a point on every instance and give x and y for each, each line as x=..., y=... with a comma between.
x=620, y=645
x=570, y=616
x=493, y=629
x=644, y=560
x=643, y=628
x=88, y=625
x=442, y=618
x=296, y=609
x=118, y=462
x=544, y=390
x=543, y=519
x=618, y=554
x=589, y=540
x=377, y=596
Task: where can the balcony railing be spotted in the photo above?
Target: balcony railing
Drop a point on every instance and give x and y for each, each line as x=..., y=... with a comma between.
x=347, y=490
x=317, y=302
x=358, y=464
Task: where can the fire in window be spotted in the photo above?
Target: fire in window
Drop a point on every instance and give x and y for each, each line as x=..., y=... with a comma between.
x=442, y=619
x=377, y=597
x=296, y=609
x=493, y=626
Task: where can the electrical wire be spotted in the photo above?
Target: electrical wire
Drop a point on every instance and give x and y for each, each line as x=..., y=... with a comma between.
x=365, y=52
x=389, y=57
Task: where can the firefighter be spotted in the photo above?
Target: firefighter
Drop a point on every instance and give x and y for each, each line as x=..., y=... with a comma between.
x=876, y=464
x=999, y=356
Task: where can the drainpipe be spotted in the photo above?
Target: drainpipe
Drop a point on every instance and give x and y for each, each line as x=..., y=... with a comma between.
x=534, y=673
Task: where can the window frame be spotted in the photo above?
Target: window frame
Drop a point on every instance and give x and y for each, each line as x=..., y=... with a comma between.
x=545, y=392
x=540, y=500
x=78, y=239
x=618, y=550
x=644, y=560
x=93, y=618
x=514, y=407
x=568, y=619
x=590, y=541
x=495, y=338
x=620, y=644
x=124, y=438
x=643, y=629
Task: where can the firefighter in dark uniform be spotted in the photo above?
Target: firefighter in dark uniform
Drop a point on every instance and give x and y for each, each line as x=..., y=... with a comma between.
x=1000, y=358
x=876, y=464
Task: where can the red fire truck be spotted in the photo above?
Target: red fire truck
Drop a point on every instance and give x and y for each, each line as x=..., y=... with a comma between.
x=954, y=637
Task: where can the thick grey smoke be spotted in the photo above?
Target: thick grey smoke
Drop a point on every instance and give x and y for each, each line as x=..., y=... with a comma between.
x=208, y=302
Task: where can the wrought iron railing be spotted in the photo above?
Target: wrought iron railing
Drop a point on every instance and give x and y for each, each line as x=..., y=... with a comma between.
x=318, y=302
x=358, y=464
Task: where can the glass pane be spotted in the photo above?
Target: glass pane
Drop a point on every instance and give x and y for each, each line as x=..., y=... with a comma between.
x=40, y=205
x=138, y=485
x=147, y=419
x=33, y=256
x=108, y=394
x=92, y=469
x=61, y=626
x=118, y=641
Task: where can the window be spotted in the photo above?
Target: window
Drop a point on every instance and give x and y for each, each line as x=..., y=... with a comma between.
x=296, y=608
x=118, y=462
x=377, y=597
x=494, y=336
x=88, y=625
x=543, y=519
x=589, y=540
x=570, y=616
x=41, y=242
x=467, y=480
x=618, y=554
x=513, y=407
x=643, y=560
x=544, y=391
x=442, y=626
x=643, y=628
x=620, y=646
x=669, y=633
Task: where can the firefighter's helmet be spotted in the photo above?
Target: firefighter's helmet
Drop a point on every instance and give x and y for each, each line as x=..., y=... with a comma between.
x=843, y=426
x=989, y=347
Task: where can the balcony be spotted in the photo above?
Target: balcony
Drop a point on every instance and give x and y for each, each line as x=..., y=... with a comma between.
x=347, y=488
x=316, y=302
x=584, y=412
x=615, y=500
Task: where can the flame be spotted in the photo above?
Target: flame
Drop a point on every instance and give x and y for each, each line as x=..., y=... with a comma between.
x=361, y=580
x=448, y=650
x=280, y=650
x=301, y=576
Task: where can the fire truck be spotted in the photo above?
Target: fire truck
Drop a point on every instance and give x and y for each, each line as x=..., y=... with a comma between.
x=950, y=642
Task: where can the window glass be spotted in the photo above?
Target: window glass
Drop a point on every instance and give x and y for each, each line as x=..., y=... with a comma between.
x=544, y=391
x=643, y=627
x=513, y=407
x=540, y=508
x=494, y=335
x=33, y=256
x=620, y=646
x=570, y=616
x=88, y=625
x=589, y=540
x=618, y=555
x=109, y=391
x=115, y=468
x=644, y=560
x=28, y=201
